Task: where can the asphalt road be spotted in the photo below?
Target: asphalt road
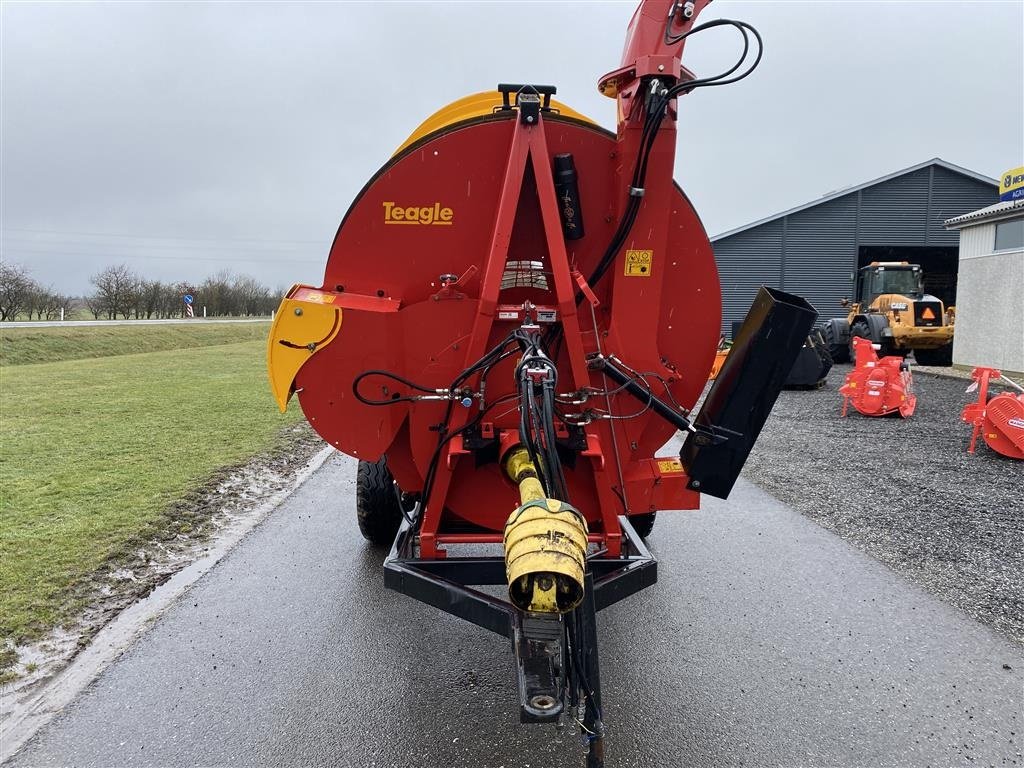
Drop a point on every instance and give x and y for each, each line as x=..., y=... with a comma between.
x=767, y=641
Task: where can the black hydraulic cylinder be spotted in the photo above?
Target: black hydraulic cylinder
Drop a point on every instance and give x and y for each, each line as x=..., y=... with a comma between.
x=745, y=390
x=567, y=190
x=643, y=394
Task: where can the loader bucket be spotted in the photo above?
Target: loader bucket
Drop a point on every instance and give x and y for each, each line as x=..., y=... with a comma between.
x=812, y=364
x=738, y=404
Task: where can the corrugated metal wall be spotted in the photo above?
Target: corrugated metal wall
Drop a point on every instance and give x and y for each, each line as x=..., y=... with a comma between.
x=749, y=263
x=817, y=267
x=893, y=212
x=977, y=240
x=813, y=252
x=954, y=195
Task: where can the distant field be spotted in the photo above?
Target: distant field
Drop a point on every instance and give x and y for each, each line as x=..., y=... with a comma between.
x=23, y=346
x=94, y=452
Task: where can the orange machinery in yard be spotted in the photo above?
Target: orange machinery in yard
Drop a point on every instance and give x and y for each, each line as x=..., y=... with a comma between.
x=998, y=419
x=878, y=386
x=518, y=312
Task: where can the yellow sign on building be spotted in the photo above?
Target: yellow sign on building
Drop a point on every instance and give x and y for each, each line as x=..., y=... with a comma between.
x=1011, y=185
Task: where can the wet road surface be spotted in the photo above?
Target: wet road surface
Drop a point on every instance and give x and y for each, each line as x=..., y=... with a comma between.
x=767, y=641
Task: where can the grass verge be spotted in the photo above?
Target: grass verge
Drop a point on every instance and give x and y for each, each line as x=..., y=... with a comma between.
x=26, y=346
x=93, y=454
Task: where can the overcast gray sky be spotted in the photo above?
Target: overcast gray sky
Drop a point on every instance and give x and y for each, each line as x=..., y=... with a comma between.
x=185, y=138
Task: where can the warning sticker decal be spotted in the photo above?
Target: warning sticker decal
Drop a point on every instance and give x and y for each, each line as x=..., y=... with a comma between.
x=638, y=263
x=670, y=465
x=315, y=296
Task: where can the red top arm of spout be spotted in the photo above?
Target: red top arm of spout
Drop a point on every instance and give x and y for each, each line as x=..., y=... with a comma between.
x=646, y=51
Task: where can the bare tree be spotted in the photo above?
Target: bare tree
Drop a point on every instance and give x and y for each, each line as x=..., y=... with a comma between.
x=115, y=288
x=35, y=302
x=168, y=301
x=150, y=292
x=96, y=305
x=55, y=302
x=16, y=289
x=251, y=296
x=172, y=303
x=120, y=293
x=133, y=300
x=217, y=295
x=45, y=303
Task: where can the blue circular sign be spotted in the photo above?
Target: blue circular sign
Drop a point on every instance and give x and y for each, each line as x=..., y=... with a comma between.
x=188, y=298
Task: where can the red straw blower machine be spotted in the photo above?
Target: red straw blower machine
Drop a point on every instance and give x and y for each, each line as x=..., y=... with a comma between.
x=519, y=311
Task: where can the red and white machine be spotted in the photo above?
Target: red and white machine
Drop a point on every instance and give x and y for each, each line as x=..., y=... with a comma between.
x=878, y=386
x=999, y=419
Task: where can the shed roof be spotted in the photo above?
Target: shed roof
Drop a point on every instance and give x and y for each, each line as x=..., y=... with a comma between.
x=848, y=190
x=1003, y=210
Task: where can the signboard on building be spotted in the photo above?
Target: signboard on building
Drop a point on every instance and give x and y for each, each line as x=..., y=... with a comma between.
x=1011, y=185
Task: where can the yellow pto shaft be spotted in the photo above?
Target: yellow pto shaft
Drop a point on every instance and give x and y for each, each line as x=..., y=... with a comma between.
x=545, y=545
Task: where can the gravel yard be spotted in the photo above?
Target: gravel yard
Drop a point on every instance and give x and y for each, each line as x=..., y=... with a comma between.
x=906, y=492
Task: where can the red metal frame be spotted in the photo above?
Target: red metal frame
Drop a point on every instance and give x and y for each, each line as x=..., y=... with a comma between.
x=645, y=52
x=528, y=146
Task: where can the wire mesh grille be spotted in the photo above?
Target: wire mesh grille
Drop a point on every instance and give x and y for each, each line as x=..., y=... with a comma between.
x=525, y=274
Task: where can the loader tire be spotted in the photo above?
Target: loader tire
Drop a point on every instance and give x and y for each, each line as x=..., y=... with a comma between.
x=839, y=352
x=943, y=356
x=861, y=329
x=377, y=509
x=643, y=524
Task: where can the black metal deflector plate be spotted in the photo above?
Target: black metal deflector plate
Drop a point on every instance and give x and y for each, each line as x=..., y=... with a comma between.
x=745, y=390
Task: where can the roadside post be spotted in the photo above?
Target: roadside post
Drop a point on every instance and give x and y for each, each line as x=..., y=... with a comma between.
x=188, y=299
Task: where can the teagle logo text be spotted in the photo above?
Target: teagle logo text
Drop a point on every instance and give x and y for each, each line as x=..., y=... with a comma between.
x=435, y=214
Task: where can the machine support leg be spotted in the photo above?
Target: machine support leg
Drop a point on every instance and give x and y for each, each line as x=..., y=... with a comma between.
x=974, y=438
x=587, y=627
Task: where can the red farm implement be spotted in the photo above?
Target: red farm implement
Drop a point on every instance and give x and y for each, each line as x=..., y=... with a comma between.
x=878, y=386
x=519, y=311
x=998, y=419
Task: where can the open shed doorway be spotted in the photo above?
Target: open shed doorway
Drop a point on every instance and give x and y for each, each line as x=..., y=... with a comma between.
x=939, y=264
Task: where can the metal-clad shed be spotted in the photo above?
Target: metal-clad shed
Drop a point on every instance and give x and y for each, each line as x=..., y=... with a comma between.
x=990, y=314
x=814, y=250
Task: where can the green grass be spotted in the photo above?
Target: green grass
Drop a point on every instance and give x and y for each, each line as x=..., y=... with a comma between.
x=95, y=452
x=24, y=346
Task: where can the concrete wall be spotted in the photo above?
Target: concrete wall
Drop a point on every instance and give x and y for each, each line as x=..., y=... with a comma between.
x=990, y=303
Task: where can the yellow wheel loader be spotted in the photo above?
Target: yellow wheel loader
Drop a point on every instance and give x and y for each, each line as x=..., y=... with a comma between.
x=892, y=310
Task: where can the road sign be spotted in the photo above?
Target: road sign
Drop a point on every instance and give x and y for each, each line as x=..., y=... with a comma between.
x=188, y=298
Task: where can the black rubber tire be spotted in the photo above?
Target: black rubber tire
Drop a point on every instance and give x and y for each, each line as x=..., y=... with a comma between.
x=943, y=356
x=377, y=509
x=861, y=329
x=840, y=352
x=643, y=524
